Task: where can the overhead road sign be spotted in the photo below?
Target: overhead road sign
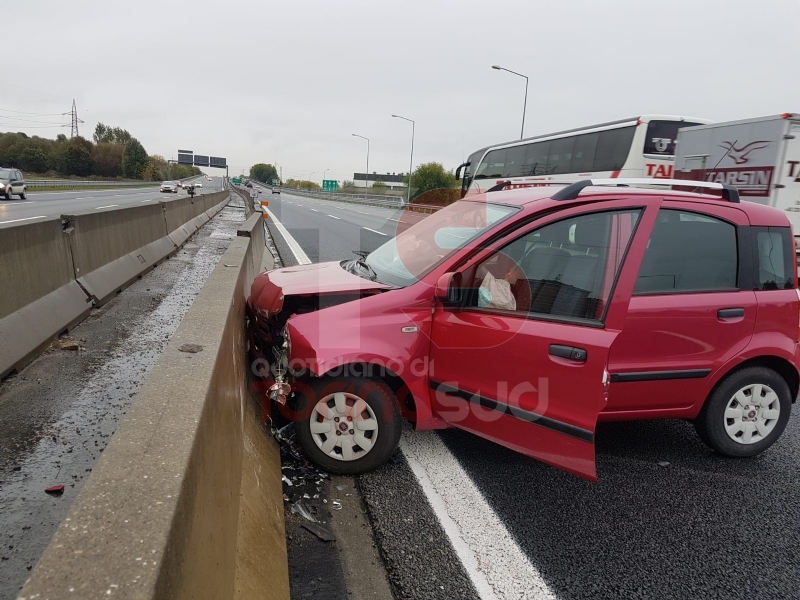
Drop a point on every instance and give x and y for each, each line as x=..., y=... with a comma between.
x=185, y=159
x=217, y=161
x=200, y=160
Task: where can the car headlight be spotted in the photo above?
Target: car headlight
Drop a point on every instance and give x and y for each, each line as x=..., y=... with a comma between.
x=287, y=340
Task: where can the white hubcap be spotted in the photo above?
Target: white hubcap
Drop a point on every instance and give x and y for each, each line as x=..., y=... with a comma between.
x=343, y=426
x=752, y=413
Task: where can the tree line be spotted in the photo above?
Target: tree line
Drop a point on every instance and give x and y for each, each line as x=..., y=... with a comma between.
x=113, y=152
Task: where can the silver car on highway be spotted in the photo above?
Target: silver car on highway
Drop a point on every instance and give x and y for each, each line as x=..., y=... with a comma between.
x=12, y=182
x=169, y=187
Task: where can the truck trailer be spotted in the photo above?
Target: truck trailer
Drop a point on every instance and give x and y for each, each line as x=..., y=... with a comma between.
x=761, y=157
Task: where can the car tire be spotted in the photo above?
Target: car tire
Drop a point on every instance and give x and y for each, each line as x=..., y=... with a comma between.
x=22, y=196
x=7, y=194
x=381, y=423
x=746, y=413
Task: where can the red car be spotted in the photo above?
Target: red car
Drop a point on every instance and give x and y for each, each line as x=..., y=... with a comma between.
x=526, y=316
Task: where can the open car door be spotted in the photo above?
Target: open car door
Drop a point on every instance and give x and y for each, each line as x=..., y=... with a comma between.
x=521, y=357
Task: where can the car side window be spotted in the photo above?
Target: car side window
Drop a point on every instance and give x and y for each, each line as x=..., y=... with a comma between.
x=688, y=252
x=563, y=269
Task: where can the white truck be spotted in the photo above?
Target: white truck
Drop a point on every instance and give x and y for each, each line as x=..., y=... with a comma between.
x=761, y=157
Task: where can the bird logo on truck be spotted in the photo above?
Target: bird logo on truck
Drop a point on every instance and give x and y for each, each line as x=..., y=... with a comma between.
x=739, y=155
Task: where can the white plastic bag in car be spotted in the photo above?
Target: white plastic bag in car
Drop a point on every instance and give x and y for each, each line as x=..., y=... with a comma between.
x=496, y=293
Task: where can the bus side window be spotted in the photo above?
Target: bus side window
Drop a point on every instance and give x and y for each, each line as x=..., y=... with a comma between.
x=536, y=158
x=515, y=162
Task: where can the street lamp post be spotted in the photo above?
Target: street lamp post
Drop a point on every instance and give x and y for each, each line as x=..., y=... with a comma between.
x=411, y=161
x=366, y=175
x=324, y=174
x=525, y=104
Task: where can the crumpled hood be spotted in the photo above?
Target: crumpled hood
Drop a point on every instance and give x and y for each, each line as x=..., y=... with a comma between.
x=269, y=289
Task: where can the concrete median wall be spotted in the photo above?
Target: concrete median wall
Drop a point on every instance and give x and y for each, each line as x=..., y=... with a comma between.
x=52, y=271
x=40, y=297
x=186, y=501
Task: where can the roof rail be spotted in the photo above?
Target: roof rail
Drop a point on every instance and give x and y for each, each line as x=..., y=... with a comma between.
x=534, y=183
x=729, y=192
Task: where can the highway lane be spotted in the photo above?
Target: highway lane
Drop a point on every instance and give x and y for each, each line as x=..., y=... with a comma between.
x=329, y=230
x=52, y=204
x=458, y=516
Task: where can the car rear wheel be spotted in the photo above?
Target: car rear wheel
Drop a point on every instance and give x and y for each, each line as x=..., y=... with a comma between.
x=348, y=425
x=22, y=196
x=7, y=193
x=746, y=413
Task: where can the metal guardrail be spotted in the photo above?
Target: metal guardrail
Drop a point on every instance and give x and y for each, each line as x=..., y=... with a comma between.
x=75, y=183
x=363, y=199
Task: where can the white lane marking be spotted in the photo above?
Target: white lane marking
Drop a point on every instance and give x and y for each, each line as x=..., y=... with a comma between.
x=148, y=199
x=302, y=257
x=332, y=217
x=314, y=209
x=18, y=202
x=109, y=206
x=361, y=212
x=390, y=219
x=83, y=198
x=25, y=219
x=373, y=231
x=497, y=566
x=118, y=195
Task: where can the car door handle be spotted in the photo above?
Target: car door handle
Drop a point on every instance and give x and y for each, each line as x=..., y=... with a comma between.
x=730, y=313
x=570, y=352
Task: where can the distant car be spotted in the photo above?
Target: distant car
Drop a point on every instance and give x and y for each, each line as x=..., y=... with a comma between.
x=169, y=187
x=197, y=184
x=248, y=184
x=276, y=190
x=12, y=182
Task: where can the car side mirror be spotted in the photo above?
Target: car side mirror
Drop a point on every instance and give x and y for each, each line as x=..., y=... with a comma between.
x=448, y=288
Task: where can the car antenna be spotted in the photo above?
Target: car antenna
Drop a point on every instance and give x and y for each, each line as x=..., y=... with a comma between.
x=716, y=165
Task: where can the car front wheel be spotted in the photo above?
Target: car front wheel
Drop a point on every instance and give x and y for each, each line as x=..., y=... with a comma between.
x=746, y=413
x=7, y=193
x=22, y=196
x=348, y=425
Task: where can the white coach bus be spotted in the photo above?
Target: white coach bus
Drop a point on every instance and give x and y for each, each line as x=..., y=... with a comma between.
x=636, y=147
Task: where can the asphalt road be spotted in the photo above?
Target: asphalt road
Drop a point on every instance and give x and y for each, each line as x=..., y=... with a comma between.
x=52, y=204
x=457, y=516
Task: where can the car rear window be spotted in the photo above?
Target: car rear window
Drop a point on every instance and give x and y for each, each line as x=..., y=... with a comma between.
x=774, y=247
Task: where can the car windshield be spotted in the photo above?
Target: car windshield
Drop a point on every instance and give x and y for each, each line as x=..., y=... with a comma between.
x=168, y=183
x=5, y=174
x=406, y=258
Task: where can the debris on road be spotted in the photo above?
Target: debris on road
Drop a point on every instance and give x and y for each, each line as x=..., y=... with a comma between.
x=301, y=508
x=320, y=532
x=337, y=505
x=67, y=344
x=191, y=348
x=55, y=489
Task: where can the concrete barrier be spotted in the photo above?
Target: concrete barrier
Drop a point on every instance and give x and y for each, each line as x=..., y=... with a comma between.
x=48, y=267
x=112, y=248
x=40, y=297
x=186, y=501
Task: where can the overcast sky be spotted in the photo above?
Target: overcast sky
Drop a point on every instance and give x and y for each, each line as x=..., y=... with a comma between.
x=289, y=82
